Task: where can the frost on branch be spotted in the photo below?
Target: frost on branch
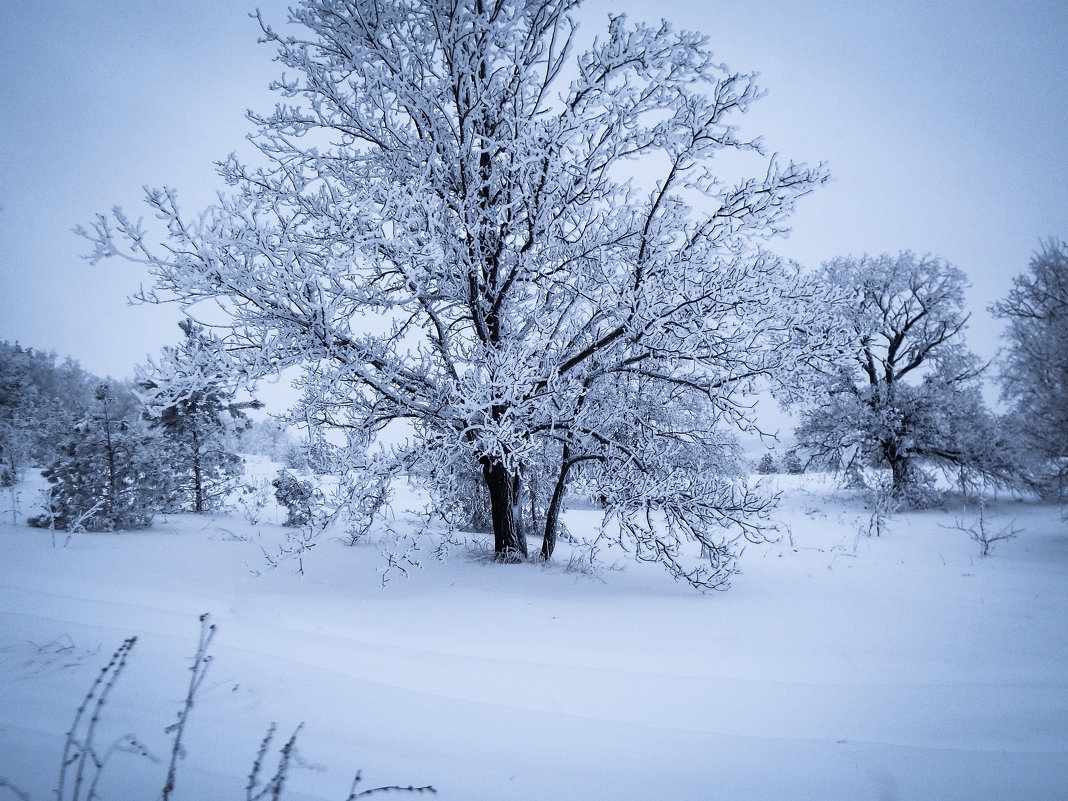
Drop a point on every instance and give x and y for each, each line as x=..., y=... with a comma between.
x=444, y=228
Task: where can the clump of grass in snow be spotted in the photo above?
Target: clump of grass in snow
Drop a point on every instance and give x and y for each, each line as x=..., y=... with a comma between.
x=84, y=761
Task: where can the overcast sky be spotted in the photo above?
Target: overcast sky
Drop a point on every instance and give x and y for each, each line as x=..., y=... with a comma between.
x=943, y=124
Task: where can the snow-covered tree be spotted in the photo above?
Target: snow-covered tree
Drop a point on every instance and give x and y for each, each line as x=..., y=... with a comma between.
x=1034, y=373
x=40, y=401
x=19, y=414
x=792, y=463
x=104, y=476
x=459, y=223
x=909, y=394
x=191, y=407
x=269, y=437
x=296, y=496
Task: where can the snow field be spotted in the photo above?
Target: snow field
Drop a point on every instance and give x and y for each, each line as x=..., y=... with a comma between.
x=838, y=667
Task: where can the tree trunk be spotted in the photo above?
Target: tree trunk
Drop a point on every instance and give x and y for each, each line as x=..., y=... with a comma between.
x=552, y=514
x=198, y=485
x=508, y=544
x=111, y=503
x=900, y=470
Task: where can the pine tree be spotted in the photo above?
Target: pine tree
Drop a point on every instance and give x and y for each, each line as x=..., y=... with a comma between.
x=792, y=462
x=193, y=413
x=18, y=400
x=103, y=479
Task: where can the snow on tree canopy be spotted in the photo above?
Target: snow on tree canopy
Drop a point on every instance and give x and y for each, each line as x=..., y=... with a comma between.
x=523, y=251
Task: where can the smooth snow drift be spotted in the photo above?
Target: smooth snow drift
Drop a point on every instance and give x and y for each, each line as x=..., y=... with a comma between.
x=840, y=666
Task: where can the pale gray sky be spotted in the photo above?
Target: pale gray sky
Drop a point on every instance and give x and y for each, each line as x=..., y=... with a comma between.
x=943, y=124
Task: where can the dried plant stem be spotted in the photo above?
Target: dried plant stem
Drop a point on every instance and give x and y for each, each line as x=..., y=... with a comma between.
x=201, y=662
x=82, y=752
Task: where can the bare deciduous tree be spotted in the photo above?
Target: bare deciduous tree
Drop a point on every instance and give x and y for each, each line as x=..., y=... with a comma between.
x=458, y=224
x=909, y=393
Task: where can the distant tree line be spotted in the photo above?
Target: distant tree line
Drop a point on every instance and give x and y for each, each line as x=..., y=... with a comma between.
x=907, y=397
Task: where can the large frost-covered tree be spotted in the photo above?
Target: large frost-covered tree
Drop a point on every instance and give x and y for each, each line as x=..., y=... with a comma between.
x=461, y=219
x=909, y=393
x=1034, y=374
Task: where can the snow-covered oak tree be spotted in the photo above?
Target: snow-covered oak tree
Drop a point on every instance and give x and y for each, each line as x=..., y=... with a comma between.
x=463, y=220
x=909, y=393
x=1034, y=375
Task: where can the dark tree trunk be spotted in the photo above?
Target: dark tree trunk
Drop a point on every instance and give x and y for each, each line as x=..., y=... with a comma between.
x=900, y=469
x=111, y=502
x=508, y=543
x=198, y=479
x=552, y=513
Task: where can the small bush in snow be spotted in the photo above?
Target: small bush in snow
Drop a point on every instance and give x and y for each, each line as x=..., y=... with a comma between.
x=792, y=463
x=767, y=465
x=252, y=498
x=980, y=533
x=296, y=496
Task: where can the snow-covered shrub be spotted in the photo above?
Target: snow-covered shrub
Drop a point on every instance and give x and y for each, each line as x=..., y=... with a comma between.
x=766, y=466
x=296, y=496
x=251, y=499
x=792, y=463
x=920, y=491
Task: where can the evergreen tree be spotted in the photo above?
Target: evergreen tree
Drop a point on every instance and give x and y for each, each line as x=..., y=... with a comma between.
x=103, y=479
x=40, y=402
x=18, y=402
x=792, y=462
x=767, y=465
x=194, y=413
x=298, y=498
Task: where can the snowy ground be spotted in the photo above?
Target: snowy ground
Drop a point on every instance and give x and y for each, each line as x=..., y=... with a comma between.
x=838, y=667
